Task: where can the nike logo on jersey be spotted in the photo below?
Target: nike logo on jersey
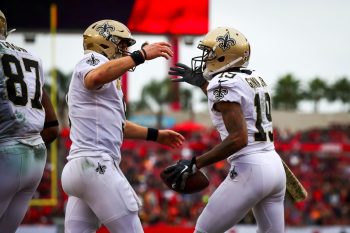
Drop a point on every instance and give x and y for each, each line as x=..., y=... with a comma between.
x=100, y=168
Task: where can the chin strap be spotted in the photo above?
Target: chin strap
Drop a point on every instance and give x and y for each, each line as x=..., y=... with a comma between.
x=209, y=75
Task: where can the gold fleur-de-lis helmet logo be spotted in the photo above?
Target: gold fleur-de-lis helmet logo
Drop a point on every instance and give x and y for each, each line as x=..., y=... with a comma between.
x=105, y=29
x=225, y=42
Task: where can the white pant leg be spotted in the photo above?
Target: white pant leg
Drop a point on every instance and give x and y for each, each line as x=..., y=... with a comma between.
x=21, y=169
x=269, y=212
x=129, y=224
x=79, y=218
x=259, y=177
x=102, y=187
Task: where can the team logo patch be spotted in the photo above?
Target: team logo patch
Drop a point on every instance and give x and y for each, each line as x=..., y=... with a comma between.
x=92, y=61
x=220, y=92
x=225, y=42
x=105, y=29
x=100, y=168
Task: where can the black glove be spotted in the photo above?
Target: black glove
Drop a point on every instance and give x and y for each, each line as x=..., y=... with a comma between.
x=177, y=174
x=187, y=74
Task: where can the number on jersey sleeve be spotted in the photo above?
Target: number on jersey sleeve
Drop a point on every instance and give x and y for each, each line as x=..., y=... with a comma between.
x=261, y=135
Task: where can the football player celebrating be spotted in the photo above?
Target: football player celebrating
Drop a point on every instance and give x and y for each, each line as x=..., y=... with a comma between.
x=240, y=108
x=98, y=191
x=27, y=122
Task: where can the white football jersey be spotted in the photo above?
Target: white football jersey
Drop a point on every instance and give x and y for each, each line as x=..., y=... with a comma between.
x=248, y=89
x=97, y=117
x=22, y=115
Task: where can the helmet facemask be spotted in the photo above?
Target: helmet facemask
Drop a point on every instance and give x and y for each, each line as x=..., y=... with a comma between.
x=122, y=50
x=198, y=63
x=208, y=54
x=121, y=47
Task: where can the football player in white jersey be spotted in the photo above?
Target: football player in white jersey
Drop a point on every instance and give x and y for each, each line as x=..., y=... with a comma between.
x=27, y=120
x=240, y=108
x=98, y=191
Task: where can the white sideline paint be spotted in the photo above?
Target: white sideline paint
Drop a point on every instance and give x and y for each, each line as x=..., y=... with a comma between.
x=37, y=229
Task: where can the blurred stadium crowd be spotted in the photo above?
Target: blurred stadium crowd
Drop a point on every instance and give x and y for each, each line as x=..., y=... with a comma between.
x=319, y=157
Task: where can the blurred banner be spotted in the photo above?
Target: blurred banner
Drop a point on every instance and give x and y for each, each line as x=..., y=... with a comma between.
x=142, y=16
x=179, y=17
x=313, y=147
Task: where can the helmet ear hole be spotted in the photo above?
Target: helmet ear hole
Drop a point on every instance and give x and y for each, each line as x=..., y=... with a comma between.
x=104, y=46
x=221, y=59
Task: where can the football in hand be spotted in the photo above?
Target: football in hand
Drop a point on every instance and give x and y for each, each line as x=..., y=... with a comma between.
x=195, y=182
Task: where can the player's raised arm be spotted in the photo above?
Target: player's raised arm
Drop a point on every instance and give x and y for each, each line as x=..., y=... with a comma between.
x=113, y=69
x=112, y=39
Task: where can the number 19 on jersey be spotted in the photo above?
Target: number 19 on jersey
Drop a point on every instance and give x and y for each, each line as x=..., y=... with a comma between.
x=263, y=117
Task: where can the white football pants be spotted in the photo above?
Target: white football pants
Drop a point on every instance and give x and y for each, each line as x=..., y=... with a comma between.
x=256, y=181
x=21, y=169
x=99, y=193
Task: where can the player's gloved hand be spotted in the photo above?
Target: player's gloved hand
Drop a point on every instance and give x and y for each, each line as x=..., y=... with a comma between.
x=187, y=74
x=179, y=172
